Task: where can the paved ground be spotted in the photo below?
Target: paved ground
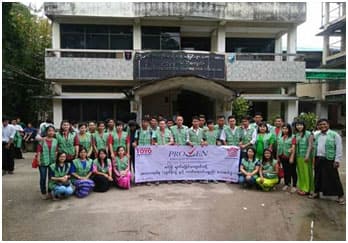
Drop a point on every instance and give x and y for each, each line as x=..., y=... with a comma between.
x=167, y=212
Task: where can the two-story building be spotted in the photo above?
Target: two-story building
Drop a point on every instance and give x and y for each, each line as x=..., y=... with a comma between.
x=110, y=59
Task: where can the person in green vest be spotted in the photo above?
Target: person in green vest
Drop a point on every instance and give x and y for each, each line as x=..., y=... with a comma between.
x=249, y=168
x=92, y=128
x=179, y=131
x=194, y=135
x=59, y=178
x=269, y=169
x=83, y=139
x=18, y=139
x=276, y=130
x=118, y=138
x=143, y=136
x=102, y=172
x=247, y=136
x=81, y=171
x=154, y=124
x=286, y=155
x=46, y=155
x=65, y=138
x=328, y=156
x=121, y=169
x=211, y=136
x=202, y=122
x=110, y=123
x=100, y=139
x=264, y=140
x=257, y=119
x=162, y=136
x=220, y=126
x=231, y=135
x=304, y=145
x=170, y=123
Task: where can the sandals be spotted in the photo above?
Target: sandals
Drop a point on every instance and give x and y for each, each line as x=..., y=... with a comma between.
x=313, y=196
x=302, y=193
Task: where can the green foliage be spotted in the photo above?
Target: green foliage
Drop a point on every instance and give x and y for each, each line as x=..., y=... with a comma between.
x=240, y=108
x=25, y=37
x=310, y=120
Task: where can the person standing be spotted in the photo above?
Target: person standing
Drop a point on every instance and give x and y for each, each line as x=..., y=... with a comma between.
x=328, y=156
x=8, y=134
x=65, y=138
x=83, y=139
x=304, y=145
x=202, y=122
x=211, y=136
x=162, y=136
x=100, y=139
x=154, y=124
x=42, y=128
x=286, y=155
x=46, y=155
x=143, y=136
x=194, y=135
x=118, y=138
x=230, y=135
x=276, y=130
x=18, y=139
x=220, y=126
x=247, y=136
x=179, y=131
x=264, y=140
x=133, y=126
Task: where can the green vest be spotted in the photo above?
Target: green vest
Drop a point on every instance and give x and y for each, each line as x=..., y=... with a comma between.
x=17, y=140
x=284, y=146
x=66, y=145
x=122, y=164
x=162, y=139
x=268, y=139
x=216, y=127
x=122, y=141
x=268, y=170
x=144, y=136
x=58, y=172
x=248, y=136
x=232, y=138
x=249, y=166
x=79, y=169
x=48, y=156
x=211, y=136
x=195, y=138
x=85, y=141
x=330, y=145
x=179, y=134
x=101, y=141
x=302, y=144
x=104, y=169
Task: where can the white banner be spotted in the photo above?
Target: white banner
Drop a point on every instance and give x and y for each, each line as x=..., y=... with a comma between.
x=166, y=163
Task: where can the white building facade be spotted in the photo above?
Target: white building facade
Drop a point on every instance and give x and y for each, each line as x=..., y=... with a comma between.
x=109, y=60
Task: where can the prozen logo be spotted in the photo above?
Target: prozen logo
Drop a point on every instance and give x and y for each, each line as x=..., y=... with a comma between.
x=190, y=153
x=144, y=151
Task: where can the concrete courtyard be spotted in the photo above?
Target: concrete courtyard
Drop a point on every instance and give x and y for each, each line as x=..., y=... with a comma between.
x=166, y=212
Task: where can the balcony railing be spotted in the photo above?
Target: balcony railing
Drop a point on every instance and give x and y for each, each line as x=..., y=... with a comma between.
x=89, y=53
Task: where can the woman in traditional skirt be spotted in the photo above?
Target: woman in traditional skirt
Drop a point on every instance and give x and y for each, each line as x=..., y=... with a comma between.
x=102, y=172
x=83, y=139
x=304, y=144
x=65, y=138
x=121, y=169
x=81, y=170
x=59, y=182
x=268, y=171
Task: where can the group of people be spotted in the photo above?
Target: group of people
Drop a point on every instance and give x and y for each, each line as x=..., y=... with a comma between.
x=95, y=155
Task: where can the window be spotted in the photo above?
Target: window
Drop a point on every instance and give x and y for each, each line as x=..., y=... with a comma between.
x=160, y=38
x=104, y=37
x=195, y=43
x=256, y=45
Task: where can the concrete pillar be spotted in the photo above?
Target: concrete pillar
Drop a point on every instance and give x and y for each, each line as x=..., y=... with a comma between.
x=221, y=39
x=326, y=13
x=56, y=37
x=343, y=42
x=326, y=48
x=278, y=48
x=321, y=110
x=139, y=108
x=291, y=110
x=213, y=40
x=137, y=36
x=292, y=42
x=57, y=112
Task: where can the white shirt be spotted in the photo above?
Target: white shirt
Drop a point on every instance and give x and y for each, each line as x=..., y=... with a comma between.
x=18, y=128
x=8, y=132
x=321, y=146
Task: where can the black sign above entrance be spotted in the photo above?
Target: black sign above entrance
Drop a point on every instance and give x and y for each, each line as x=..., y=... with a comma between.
x=165, y=64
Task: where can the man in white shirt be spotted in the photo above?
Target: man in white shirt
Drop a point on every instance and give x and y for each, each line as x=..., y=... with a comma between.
x=328, y=156
x=8, y=133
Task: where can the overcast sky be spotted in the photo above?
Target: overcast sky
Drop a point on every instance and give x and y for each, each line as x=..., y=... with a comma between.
x=306, y=32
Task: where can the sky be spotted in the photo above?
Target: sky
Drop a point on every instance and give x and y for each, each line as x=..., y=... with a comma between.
x=306, y=32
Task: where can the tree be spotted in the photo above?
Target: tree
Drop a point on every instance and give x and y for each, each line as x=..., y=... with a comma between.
x=240, y=108
x=25, y=37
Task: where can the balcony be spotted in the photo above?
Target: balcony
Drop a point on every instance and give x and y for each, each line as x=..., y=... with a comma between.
x=123, y=65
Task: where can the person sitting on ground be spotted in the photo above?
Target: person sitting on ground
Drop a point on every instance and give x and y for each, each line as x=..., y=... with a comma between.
x=249, y=168
x=81, y=170
x=102, y=172
x=268, y=171
x=59, y=178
